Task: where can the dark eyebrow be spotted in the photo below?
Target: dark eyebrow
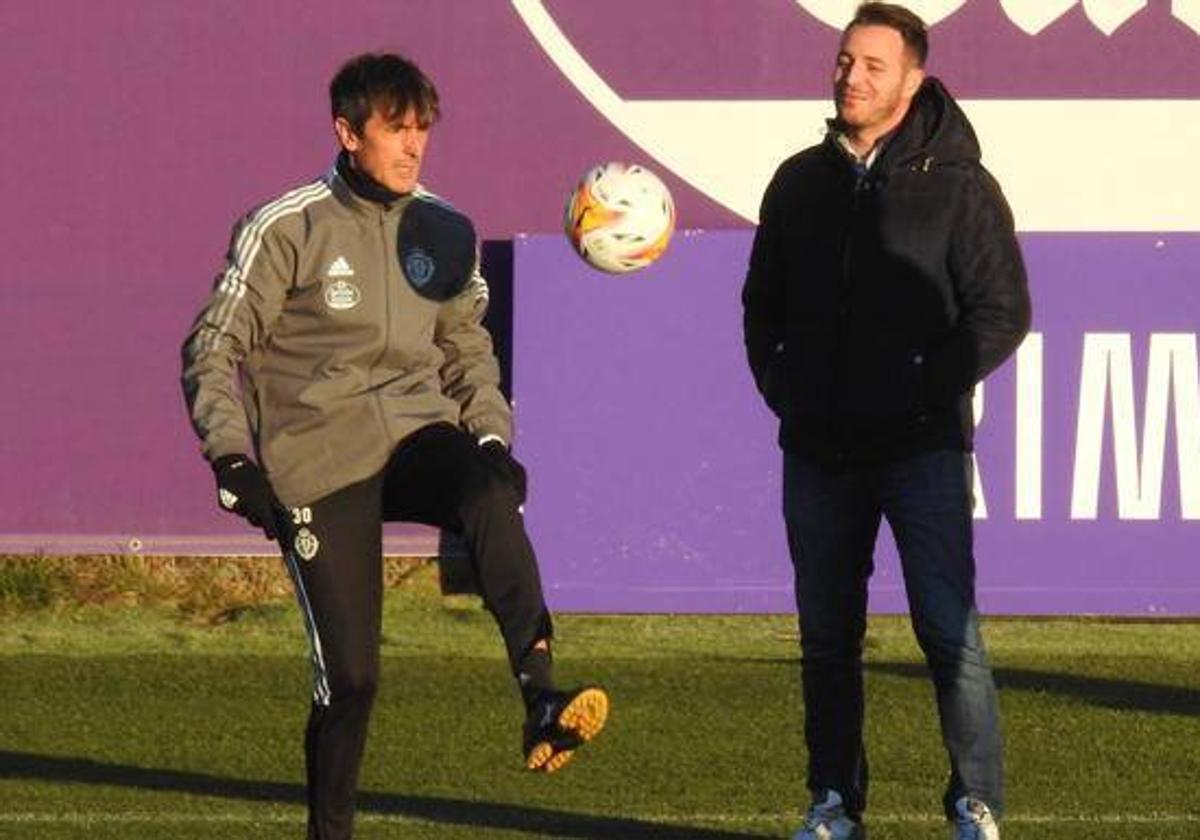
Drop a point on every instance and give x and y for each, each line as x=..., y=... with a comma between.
x=871, y=60
x=398, y=122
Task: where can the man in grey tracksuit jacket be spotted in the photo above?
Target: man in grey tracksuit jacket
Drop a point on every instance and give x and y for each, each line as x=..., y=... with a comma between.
x=340, y=376
x=342, y=354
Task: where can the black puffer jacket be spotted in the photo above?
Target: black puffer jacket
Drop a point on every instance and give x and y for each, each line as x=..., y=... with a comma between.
x=874, y=305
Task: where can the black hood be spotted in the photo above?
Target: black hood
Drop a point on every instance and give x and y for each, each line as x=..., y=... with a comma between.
x=935, y=127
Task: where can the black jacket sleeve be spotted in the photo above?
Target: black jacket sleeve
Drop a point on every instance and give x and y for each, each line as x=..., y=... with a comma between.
x=991, y=292
x=763, y=301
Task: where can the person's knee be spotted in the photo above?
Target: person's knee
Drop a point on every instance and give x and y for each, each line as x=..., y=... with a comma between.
x=485, y=494
x=956, y=646
x=831, y=643
x=357, y=684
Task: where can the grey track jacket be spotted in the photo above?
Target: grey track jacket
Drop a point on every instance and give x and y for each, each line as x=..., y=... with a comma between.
x=316, y=352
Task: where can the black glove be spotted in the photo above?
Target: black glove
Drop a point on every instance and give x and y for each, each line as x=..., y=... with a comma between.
x=243, y=489
x=508, y=466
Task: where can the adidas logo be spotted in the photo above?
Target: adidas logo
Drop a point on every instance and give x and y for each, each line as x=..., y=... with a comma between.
x=340, y=268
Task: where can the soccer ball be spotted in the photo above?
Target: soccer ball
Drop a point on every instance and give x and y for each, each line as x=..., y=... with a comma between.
x=620, y=217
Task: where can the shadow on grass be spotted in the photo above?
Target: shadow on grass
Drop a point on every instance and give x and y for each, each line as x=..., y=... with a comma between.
x=1124, y=695
x=463, y=812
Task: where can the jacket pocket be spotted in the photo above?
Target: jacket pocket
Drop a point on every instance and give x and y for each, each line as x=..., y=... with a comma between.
x=885, y=385
x=775, y=385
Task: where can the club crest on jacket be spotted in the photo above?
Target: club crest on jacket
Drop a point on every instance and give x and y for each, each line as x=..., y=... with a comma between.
x=341, y=295
x=306, y=544
x=419, y=267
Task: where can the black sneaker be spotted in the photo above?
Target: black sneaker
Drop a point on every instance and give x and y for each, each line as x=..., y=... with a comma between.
x=559, y=722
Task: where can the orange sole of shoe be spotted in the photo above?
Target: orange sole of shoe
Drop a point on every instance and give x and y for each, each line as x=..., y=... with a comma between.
x=584, y=717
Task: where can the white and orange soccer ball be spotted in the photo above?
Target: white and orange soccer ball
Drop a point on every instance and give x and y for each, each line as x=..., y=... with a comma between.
x=620, y=217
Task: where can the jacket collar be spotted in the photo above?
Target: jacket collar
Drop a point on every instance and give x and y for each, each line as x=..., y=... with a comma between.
x=934, y=130
x=864, y=162
x=364, y=194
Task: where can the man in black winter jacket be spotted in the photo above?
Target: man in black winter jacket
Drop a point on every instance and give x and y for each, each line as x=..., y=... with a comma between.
x=884, y=283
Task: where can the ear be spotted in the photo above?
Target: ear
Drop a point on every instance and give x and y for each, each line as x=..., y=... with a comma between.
x=912, y=81
x=345, y=135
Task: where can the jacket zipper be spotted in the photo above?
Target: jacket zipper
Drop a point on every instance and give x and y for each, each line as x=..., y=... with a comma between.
x=843, y=309
x=386, y=264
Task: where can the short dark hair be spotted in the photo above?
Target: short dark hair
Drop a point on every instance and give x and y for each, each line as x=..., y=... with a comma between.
x=894, y=16
x=386, y=81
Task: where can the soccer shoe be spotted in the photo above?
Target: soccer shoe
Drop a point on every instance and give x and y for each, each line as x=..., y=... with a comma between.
x=973, y=821
x=827, y=820
x=559, y=722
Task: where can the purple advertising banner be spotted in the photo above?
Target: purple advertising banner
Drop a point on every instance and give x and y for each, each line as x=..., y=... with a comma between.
x=140, y=130
x=692, y=49
x=656, y=476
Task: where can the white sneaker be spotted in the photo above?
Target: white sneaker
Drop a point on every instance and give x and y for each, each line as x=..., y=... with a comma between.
x=973, y=821
x=827, y=820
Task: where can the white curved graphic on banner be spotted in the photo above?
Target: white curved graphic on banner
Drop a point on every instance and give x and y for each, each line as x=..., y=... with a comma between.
x=1066, y=165
x=1033, y=16
x=1030, y=15
x=1108, y=15
x=837, y=13
x=1187, y=11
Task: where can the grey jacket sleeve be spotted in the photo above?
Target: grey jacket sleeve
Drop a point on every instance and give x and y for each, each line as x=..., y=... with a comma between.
x=246, y=299
x=470, y=373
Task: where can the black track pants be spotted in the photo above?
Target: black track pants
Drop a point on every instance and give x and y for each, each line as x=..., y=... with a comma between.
x=437, y=476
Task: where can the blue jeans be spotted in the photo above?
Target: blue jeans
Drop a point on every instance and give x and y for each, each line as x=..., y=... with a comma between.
x=832, y=521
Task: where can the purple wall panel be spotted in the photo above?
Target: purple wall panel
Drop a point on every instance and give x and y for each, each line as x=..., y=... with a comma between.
x=140, y=130
x=696, y=49
x=656, y=478
x=145, y=129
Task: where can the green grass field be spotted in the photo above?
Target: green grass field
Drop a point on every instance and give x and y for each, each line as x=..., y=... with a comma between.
x=126, y=719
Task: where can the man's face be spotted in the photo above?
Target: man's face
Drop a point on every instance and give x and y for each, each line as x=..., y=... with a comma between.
x=875, y=79
x=389, y=149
